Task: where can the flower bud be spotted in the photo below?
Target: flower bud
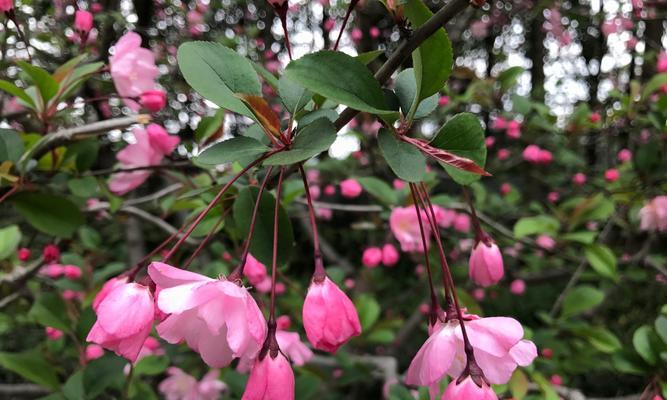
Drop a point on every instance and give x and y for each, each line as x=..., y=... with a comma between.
x=371, y=257
x=51, y=253
x=390, y=255
x=153, y=100
x=6, y=5
x=486, y=264
x=270, y=379
x=24, y=254
x=329, y=317
x=83, y=21
x=467, y=390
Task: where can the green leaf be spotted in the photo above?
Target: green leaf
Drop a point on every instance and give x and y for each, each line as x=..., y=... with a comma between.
x=53, y=215
x=602, y=259
x=49, y=310
x=369, y=56
x=379, y=189
x=407, y=162
x=261, y=246
x=10, y=237
x=11, y=146
x=234, y=149
x=90, y=238
x=17, y=92
x=339, y=78
x=548, y=392
x=31, y=365
x=655, y=83
x=661, y=327
x=209, y=125
x=580, y=299
x=601, y=338
x=217, y=73
x=585, y=237
x=294, y=96
x=73, y=389
x=382, y=336
x=406, y=91
x=47, y=86
x=102, y=373
x=310, y=141
x=518, y=385
x=542, y=224
x=433, y=59
x=641, y=340
x=509, y=77
x=462, y=135
x=85, y=187
x=84, y=152
x=368, y=309
x=151, y=365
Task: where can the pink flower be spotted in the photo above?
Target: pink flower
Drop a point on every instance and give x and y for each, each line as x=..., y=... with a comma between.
x=255, y=271
x=611, y=175
x=372, y=257
x=150, y=147
x=444, y=217
x=468, y=390
x=69, y=294
x=553, y=197
x=71, y=272
x=6, y=5
x=545, y=157
x=329, y=190
x=398, y=184
x=153, y=100
x=531, y=154
x=215, y=317
x=356, y=34
x=499, y=124
x=107, y=288
x=497, y=344
x=23, y=254
x=291, y=345
x=546, y=242
x=374, y=32
x=53, y=333
x=505, y=188
x=579, y=179
x=462, y=223
x=661, y=64
x=133, y=68
x=52, y=270
x=93, y=352
x=350, y=188
x=489, y=141
x=595, y=117
x=653, y=215
x=390, y=255
x=124, y=319
x=513, y=129
x=518, y=287
x=478, y=294
x=556, y=380
x=270, y=379
x=51, y=253
x=329, y=317
x=503, y=154
x=181, y=386
x=329, y=24
x=486, y=264
x=443, y=100
x=405, y=227
x=624, y=155
x=324, y=213
x=83, y=21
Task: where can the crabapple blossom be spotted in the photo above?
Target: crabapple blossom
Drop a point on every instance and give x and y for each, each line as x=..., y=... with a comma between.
x=6, y=5
x=291, y=345
x=518, y=287
x=485, y=267
x=93, y=352
x=624, y=155
x=133, y=68
x=611, y=175
x=405, y=227
x=329, y=316
x=215, y=317
x=579, y=179
x=83, y=21
x=546, y=242
x=53, y=333
x=513, y=129
x=181, y=386
x=390, y=255
x=372, y=257
x=23, y=254
x=153, y=100
x=350, y=188
x=653, y=215
x=271, y=378
x=51, y=253
x=467, y=389
x=256, y=273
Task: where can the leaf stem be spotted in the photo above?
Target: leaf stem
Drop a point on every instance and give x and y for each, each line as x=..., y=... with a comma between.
x=319, y=273
x=274, y=262
x=208, y=237
x=353, y=4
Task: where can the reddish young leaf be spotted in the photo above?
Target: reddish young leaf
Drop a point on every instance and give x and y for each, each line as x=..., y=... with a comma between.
x=263, y=112
x=446, y=157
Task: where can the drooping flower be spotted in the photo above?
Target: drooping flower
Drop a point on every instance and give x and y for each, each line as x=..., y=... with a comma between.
x=215, y=317
x=133, y=68
x=182, y=386
x=6, y=5
x=291, y=345
x=150, y=147
x=468, y=390
x=653, y=215
x=270, y=379
x=124, y=319
x=256, y=273
x=329, y=317
x=371, y=257
x=83, y=21
x=485, y=266
x=497, y=345
x=405, y=227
